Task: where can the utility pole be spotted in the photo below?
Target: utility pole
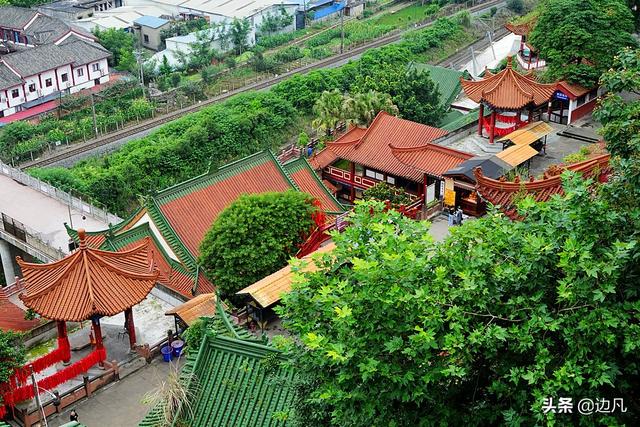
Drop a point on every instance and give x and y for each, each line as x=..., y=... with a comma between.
x=138, y=55
x=342, y=27
x=36, y=393
x=93, y=112
x=491, y=44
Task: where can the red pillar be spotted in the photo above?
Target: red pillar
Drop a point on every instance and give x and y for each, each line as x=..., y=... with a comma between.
x=131, y=329
x=480, y=118
x=425, y=183
x=352, y=196
x=493, y=127
x=63, y=339
x=97, y=333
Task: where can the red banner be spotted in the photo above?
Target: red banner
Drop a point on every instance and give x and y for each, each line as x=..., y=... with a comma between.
x=60, y=354
x=52, y=381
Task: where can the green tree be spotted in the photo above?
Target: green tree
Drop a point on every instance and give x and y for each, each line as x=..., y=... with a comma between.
x=578, y=38
x=517, y=6
x=383, y=191
x=255, y=236
x=118, y=42
x=328, y=111
x=418, y=98
x=478, y=330
x=165, y=67
x=620, y=117
x=12, y=354
x=361, y=108
x=202, y=52
x=238, y=34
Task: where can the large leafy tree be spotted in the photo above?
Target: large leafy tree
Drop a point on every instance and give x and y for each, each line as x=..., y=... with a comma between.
x=12, y=354
x=328, y=111
x=395, y=330
x=361, y=108
x=255, y=236
x=578, y=38
x=119, y=43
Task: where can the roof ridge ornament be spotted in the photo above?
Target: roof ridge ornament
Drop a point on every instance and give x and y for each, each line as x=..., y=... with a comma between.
x=82, y=238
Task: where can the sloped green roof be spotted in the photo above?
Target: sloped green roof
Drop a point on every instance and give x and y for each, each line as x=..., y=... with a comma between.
x=463, y=121
x=447, y=80
x=237, y=382
x=331, y=204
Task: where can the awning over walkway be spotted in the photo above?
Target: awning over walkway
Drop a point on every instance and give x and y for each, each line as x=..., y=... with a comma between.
x=517, y=154
x=269, y=290
x=203, y=305
x=528, y=134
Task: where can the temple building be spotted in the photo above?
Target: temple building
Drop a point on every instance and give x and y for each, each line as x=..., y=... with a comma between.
x=571, y=102
x=176, y=219
x=514, y=100
x=528, y=58
x=392, y=150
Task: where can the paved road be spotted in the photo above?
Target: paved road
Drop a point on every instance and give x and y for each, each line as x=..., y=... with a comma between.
x=119, y=404
x=41, y=213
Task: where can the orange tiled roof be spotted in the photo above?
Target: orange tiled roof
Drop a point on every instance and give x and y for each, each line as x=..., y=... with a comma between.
x=520, y=29
x=508, y=90
x=573, y=91
x=501, y=193
x=193, y=206
x=372, y=149
x=89, y=282
x=431, y=159
x=307, y=181
x=12, y=316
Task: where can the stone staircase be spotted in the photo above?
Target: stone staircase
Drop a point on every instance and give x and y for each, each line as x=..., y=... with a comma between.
x=483, y=145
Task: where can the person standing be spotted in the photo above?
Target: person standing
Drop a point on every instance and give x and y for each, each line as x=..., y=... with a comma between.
x=73, y=415
x=459, y=216
x=450, y=217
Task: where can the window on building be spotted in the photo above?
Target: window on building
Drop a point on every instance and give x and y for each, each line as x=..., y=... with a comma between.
x=391, y=180
x=146, y=38
x=48, y=82
x=64, y=77
x=370, y=173
x=80, y=72
x=593, y=94
x=32, y=87
x=379, y=176
x=95, y=67
x=359, y=170
x=15, y=93
x=581, y=100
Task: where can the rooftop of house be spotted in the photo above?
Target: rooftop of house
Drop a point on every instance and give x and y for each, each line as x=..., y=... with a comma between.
x=15, y=17
x=12, y=316
x=371, y=147
x=446, y=79
x=151, y=21
x=234, y=9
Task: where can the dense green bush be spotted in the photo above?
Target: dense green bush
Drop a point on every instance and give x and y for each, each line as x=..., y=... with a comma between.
x=255, y=236
x=269, y=42
x=288, y=54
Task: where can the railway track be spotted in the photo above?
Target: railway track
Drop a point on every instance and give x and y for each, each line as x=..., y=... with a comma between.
x=129, y=132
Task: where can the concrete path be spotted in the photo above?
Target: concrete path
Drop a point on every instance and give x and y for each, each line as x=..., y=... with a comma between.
x=119, y=404
x=42, y=214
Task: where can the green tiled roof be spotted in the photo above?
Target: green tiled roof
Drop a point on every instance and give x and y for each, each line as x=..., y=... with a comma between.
x=301, y=163
x=237, y=384
x=447, y=80
x=463, y=121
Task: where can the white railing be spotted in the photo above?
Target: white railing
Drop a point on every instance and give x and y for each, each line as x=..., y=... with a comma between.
x=62, y=196
x=32, y=244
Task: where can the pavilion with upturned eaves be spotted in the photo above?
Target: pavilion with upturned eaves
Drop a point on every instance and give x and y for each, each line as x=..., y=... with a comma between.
x=509, y=95
x=86, y=285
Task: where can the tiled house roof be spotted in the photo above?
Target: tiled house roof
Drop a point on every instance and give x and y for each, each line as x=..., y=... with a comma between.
x=446, y=79
x=502, y=193
x=176, y=219
x=432, y=159
x=16, y=17
x=508, y=90
x=235, y=387
x=12, y=316
x=373, y=149
x=89, y=282
x=305, y=178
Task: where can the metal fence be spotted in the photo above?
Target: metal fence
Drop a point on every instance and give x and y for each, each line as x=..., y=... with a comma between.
x=73, y=202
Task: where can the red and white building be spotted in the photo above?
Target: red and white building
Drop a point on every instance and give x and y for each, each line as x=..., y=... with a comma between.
x=43, y=58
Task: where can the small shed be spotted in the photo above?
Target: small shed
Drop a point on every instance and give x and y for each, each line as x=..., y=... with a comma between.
x=186, y=314
x=148, y=28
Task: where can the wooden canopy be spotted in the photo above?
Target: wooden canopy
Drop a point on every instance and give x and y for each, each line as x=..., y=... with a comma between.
x=528, y=134
x=508, y=90
x=269, y=290
x=89, y=282
x=204, y=305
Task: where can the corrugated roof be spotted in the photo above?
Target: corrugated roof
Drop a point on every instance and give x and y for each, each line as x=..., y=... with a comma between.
x=306, y=179
x=270, y=289
x=372, y=148
x=203, y=305
x=12, y=316
x=508, y=90
x=517, y=154
x=502, y=193
x=150, y=21
x=528, y=134
x=89, y=282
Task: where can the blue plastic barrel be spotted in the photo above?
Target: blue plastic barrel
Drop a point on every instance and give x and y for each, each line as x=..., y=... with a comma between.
x=166, y=353
x=177, y=345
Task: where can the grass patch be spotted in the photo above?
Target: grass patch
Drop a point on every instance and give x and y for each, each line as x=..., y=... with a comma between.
x=406, y=16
